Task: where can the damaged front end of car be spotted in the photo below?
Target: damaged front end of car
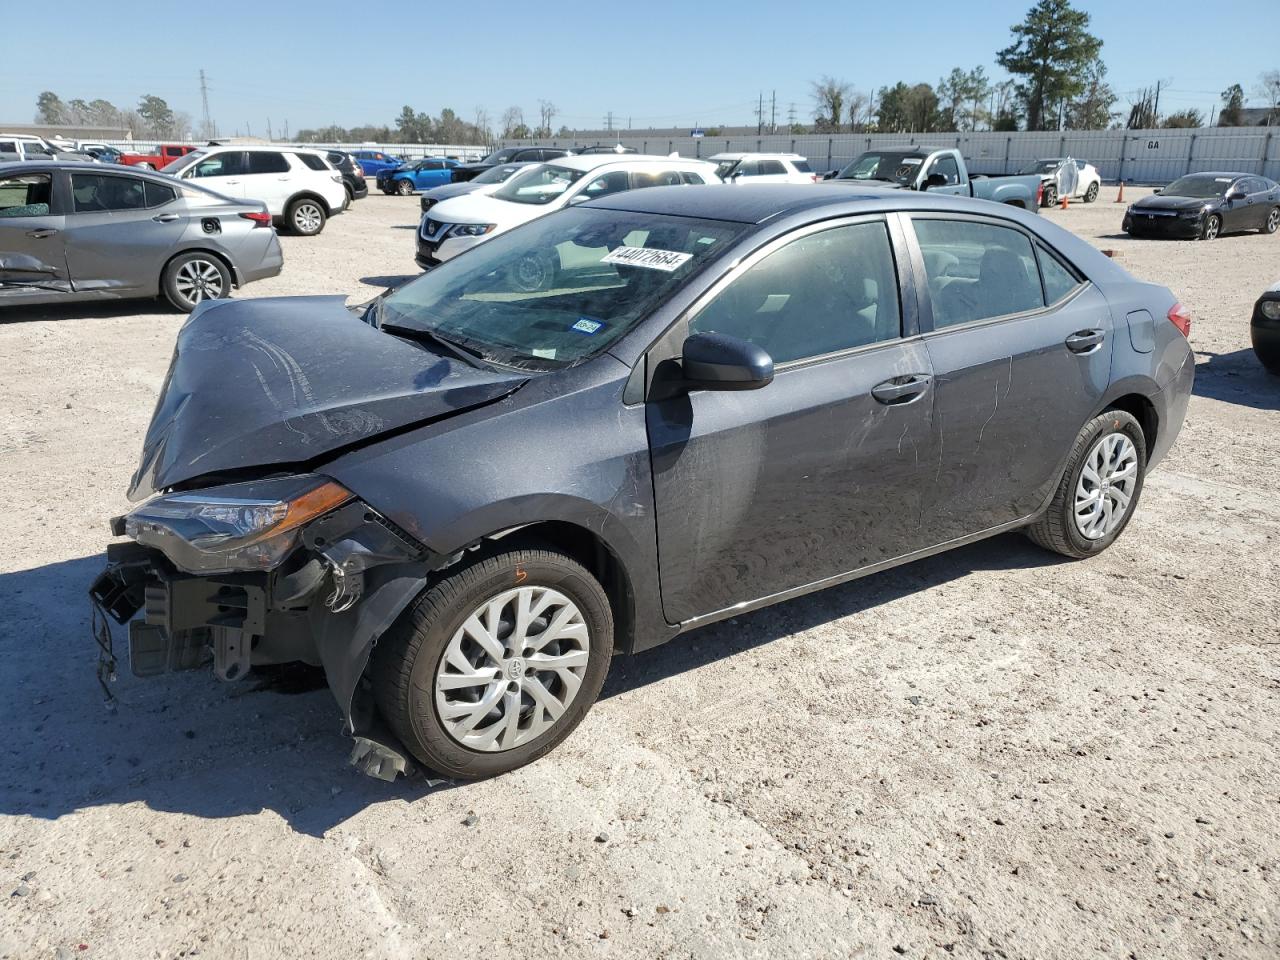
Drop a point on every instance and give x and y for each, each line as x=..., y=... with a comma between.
x=281, y=570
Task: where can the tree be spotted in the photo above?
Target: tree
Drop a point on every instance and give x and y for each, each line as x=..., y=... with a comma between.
x=157, y=115
x=1184, y=118
x=1232, y=112
x=1268, y=89
x=546, y=113
x=858, y=107
x=1142, y=111
x=1092, y=109
x=512, y=119
x=1004, y=108
x=1051, y=51
x=829, y=96
x=50, y=108
x=905, y=109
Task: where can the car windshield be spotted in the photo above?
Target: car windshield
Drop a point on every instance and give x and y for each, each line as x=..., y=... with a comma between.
x=1041, y=166
x=496, y=174
x=544, y=184
x=500, y=156
x=186, y=160
x=1199, y=187
x=560, y=289
x=891, y=167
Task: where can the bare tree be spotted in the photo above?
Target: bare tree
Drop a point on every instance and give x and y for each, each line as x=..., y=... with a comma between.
x=546, y=113
x=829, y=96
x=482, y=124
x=1268, y=89
x=512, y=120
x=858, y=110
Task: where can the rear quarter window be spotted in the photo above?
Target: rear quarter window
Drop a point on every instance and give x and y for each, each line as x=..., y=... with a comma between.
x=311, y=161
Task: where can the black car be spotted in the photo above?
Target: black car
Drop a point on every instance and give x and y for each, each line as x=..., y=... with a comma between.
x=1203, y=206
x=352, y=174
x=462, y=506
x=602, y=148
x=1264, y=329
x=469, y=171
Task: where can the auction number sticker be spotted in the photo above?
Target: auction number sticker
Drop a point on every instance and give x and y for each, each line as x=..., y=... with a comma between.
x=665, y=260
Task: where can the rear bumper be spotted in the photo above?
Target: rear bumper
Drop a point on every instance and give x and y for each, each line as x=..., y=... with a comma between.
x=270, y=265
x=1171, y=409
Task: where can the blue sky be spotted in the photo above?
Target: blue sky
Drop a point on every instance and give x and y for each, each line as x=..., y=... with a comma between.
x=658, y=63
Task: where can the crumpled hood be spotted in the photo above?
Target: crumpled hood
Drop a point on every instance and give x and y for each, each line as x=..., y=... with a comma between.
x=257, y=383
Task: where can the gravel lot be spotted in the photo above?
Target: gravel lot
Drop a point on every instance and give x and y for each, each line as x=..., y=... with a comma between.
x=989, y=753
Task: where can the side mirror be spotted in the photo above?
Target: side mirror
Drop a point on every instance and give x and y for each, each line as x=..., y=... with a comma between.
x=1237, y=195
x=933, y=180
x=718, y=361
x=1155, y=191
x=830, y=174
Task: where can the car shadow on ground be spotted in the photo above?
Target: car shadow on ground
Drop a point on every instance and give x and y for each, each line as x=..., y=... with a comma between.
x=1237, y=377
x=186, y=743
x=104, y=310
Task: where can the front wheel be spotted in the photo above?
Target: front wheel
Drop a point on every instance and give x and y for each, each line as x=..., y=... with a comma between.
x=495, y=665
x=306, y=217
x=404, y=187
x=192, y=278
x=1099, y=488
x=1091, y=194
x=1212, y=227
x=1272, y=223
x=1050, y=197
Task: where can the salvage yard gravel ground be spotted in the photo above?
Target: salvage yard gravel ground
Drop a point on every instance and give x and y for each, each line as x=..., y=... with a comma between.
x=990, y=753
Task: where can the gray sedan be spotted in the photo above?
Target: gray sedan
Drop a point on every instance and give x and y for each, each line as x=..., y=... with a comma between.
x=70, y=232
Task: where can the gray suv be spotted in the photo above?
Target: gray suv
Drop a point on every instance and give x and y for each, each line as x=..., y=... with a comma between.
x=465, y=505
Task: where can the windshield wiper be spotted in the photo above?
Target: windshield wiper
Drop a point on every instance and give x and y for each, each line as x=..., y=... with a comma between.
x=468, y=355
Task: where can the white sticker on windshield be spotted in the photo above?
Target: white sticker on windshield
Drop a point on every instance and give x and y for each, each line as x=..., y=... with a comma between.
x=666, y=260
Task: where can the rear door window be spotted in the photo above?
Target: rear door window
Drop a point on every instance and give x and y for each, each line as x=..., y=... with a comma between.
x=228, y=164
x=95, y=193
x=25, y=195
x=977, y=270
x=312, y=161
x=266, y=161
x=771, y=168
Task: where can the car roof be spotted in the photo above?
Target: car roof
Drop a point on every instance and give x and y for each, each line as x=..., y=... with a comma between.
x=756, y=203
x=743, y=156
x=1212, y=174
x=79, y=166
x=593, y=160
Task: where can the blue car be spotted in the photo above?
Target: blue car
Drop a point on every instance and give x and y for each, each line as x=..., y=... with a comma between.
x=418, y=175
x=373, y=162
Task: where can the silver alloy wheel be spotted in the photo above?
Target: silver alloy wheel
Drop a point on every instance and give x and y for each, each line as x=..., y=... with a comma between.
x=1273, y=220
x=404, y=187
x=512, y=669
x=1212, y=226
x=1105, y=489
x=198, y=280
x=1091, y=194
x=307, y=217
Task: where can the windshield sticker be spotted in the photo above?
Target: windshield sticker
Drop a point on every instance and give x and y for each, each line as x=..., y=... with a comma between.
x=587, y=325
x=665, y=260
x=1221, y=179
x=544, y=353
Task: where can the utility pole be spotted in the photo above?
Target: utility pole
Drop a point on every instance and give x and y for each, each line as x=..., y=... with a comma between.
x=791, y=118
x=286, y=129
x=760, y=115
x=204, y=101
x=1155, y=112
x=773, y=112
x=608, y=121
x=268, y=129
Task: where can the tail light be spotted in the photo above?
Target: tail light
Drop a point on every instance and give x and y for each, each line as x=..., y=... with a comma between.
x=1039, y=193
x=1180, y=317
x=259, y=219
x=813, y=177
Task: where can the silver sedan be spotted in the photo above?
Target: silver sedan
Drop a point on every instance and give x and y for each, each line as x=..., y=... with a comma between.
x=72, y=232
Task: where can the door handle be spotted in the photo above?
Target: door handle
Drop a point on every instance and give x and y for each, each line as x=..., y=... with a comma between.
x=285, y=177
x=231, y=183
x=902, y=389
x=41, y=233
x=1085, y=341
x=165, y=217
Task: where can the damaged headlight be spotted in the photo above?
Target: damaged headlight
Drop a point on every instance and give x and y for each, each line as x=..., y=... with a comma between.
x=240, y=526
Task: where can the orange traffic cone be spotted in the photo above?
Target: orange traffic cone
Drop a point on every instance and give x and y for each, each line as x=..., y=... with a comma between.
x=1120, y=195
x=1064, y=201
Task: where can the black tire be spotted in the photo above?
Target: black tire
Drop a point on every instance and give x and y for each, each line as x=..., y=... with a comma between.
x=1272, y=222
x=1056, y=528
x=1212, y=228
x=1049, y=196
x=192, y=278
x=404, y=187
x=1091, y=194
x=351, y=194
x=404, y=663
x=306, y=216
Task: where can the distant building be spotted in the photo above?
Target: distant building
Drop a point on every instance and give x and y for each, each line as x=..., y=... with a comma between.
x=59, y=131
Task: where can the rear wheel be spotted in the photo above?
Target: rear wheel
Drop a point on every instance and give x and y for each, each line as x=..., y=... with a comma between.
x=404, y=187
x=192, y=278
x=1212, y=227
x=1272, y=223
x=1099, y=488
x=306, y=217
x=351, y=194
x=1050, y=196
x=1091, y=194
x=495, y=665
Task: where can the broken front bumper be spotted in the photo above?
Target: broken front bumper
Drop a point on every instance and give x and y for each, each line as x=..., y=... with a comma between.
x=326, y=604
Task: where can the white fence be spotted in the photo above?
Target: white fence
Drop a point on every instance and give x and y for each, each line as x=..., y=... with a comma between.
x=1141, y=156
x=411, y=151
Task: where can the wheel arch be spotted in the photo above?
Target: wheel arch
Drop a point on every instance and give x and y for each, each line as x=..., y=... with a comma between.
x=208, y=251
x=308, y=195
x=1143, y=410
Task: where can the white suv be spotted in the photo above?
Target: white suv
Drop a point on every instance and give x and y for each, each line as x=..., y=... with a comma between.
x=460, y=223
x=763, y=168
x=300, y=187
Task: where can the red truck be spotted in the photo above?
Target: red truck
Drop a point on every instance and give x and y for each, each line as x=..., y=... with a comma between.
x=165, y=154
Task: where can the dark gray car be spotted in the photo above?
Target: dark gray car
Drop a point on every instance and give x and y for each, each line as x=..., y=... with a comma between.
x=463, y=506
x=95, y=232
